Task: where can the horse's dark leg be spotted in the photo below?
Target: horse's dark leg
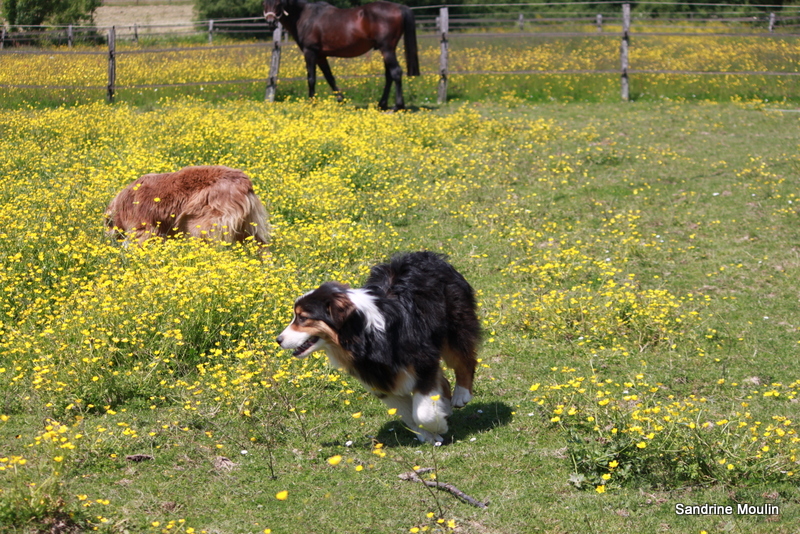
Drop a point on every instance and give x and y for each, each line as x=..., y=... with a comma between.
x=383, y=102
x=326, y=71
x=399, y=102
x=311, y=68
x=394, y=75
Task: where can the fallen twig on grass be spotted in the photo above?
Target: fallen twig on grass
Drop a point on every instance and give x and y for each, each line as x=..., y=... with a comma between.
x=413, y=476
x=138, y=457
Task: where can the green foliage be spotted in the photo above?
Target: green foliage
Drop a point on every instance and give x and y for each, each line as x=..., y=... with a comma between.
x=26, y=12
x=623, y=433
x=35, y=12
x=712, y=7
x=36, y=507
x=569, y=6
x=73, y=11
x=32, y=497
x=227, y=9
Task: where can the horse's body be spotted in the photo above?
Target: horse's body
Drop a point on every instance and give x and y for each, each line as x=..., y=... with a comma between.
x=322, y=31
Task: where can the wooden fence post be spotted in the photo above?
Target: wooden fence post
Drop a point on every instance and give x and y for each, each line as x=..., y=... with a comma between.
x=521, y=22
x=274, y=66
x=112, y=63
x=70, y=36
x=444, y=24
x=599, y=22
x=135, y=33
x=2, y=37
x=626, y=26
x=771, y=22
x=210, y=31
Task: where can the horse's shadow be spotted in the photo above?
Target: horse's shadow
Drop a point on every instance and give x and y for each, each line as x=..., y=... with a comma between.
x=408, y=108
x=474, y=418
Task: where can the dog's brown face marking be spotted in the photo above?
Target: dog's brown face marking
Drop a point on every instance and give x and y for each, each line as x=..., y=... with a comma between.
x=317, y=316
x=304, y=334
x=304, y=322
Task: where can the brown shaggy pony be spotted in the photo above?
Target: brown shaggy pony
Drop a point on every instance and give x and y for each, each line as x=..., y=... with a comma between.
x=211, y=201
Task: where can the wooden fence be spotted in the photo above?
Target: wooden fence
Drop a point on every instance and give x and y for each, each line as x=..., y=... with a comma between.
x=72, y=34
x=427, y=20
x=441, y=24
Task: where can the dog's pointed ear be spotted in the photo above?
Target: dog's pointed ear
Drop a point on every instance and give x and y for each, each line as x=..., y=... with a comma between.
x=349, y=323
x=340, y=308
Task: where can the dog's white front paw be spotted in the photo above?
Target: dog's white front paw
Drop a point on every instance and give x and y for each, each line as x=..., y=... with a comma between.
x=428, y=437
x=461, y=396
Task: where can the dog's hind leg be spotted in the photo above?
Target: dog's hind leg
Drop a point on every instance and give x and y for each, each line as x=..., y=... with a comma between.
x=463, y=362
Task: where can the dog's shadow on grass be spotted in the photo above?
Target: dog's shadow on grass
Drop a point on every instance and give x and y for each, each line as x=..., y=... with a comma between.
x=474, y=418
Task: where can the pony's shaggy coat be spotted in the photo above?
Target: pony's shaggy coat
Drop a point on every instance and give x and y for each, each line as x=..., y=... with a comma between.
x=212, y=202
x=392, y=334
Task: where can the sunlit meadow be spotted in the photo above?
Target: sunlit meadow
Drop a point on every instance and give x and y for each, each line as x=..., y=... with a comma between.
x=526, y=67
x=635, y=268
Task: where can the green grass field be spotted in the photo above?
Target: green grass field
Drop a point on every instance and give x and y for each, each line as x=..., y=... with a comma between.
x=664, y=67
x=635, y=266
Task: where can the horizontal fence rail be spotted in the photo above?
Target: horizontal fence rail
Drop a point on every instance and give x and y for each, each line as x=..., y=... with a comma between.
x=525, y=18
x=433, y=22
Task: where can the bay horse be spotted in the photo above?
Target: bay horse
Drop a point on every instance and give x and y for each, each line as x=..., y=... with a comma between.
x=208, y=201
x=322, y=31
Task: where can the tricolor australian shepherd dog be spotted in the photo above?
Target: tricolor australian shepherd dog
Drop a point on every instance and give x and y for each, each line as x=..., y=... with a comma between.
x=392, y=333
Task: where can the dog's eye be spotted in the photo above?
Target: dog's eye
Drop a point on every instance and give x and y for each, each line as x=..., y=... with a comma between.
x=302, y=318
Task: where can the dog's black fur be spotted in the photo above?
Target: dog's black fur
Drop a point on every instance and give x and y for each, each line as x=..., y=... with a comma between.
x=411, y=313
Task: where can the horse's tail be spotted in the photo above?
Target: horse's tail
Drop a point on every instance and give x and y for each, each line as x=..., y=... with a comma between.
x=410, y=42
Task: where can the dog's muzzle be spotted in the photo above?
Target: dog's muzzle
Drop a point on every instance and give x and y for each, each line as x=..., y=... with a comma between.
x=300, y=349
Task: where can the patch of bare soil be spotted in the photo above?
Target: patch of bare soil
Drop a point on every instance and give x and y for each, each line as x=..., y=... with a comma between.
x=124, y=17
